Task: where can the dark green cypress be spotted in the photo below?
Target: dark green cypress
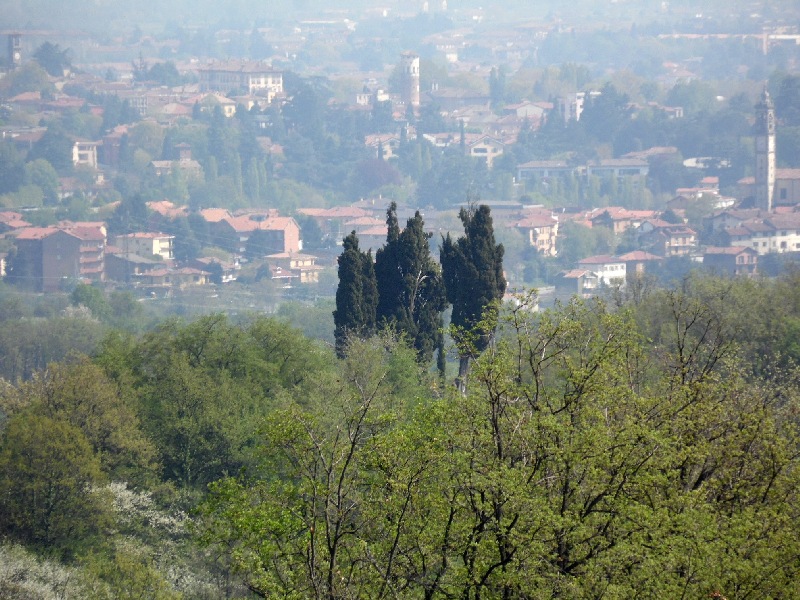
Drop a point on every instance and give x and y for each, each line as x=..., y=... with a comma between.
x=356, y=295
x=472, y=267
x=410, y=287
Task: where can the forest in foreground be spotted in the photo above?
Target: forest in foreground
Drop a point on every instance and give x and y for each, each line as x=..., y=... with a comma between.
x=642, y=445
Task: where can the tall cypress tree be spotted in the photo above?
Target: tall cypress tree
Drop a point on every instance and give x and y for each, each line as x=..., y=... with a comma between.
x=472, y=267
x=356, y=295
x=410, y=287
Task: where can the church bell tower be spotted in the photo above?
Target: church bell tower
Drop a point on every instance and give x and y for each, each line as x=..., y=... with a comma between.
x=14, y=50
x=765, y=152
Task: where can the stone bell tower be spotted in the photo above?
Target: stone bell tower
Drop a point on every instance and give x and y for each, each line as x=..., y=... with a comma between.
x=765, y=152
x=14, y=50
x=409, y=77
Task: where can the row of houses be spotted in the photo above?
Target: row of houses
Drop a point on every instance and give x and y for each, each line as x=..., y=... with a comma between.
x=595, y=273
x=50, y=258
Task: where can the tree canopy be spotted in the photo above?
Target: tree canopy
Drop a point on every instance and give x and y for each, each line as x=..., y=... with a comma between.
x=411, y=294
x=472, y=267
x=356, y=294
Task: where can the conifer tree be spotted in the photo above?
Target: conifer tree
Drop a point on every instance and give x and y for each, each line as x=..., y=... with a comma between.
x=411, y=294
x=472, y=267
x=357, y=294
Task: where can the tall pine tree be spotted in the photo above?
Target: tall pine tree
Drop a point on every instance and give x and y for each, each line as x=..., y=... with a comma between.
x=411, y=291
x=472, y=267
x=356, y=296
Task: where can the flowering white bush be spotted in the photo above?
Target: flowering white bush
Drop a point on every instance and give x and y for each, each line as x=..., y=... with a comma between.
x=23, y=576
x=138, y=509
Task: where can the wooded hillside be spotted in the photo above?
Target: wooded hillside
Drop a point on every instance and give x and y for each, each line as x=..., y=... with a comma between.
x=618, y=448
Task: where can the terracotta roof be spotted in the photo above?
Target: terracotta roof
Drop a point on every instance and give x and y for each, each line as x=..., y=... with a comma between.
x=337, y=212
x=638, y=255
x=377, y=231
x=145, y=235
x=280, y=255
x=574, y=273
x=35, y=233
x=245, y=223
x=545, y=164
x=728, y=250
x=214, y=215
x=537, y=221
x=364, y=222
x=167, y=208
x=602, y=259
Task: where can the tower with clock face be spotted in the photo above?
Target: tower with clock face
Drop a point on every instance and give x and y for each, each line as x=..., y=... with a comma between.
x=765, y=152
x=14, y=50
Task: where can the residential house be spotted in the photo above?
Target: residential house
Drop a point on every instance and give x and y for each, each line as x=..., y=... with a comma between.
x=570, y=107
x=541, y=228
x=544, y=170
x=220, y=271
x=49, y=257
x=731, y=260
x=164, y=280
x=207, y=102
x=533, y=111
x=255, y=237
x=84, y=153
x=638, y=261
x=732, y=218
x=576, y=281
x=11, y=221
x=127, y=267
x=189, y=166
x=776, y=233
x=27, y=267
x=251, y=77
x=484, y=147
x=147, y=244
x=620, y=219
x=608, y=270
x=302, y=265
x=634, y=169
x=167, y=209
x=385, y=145
x=333, y=222
x=669, y=240
x=372, y=238
x=787, y=187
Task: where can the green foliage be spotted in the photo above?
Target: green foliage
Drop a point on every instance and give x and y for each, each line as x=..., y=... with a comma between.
x=202, y=387
x=296, y=531
x=47, y=474
x=92, y=298
x=581, y=463
x=30, y=344
x=11, y=167
x=30, y=77
x=53, y=59
x=55, y=146
x=42, y=174
x=80, y=393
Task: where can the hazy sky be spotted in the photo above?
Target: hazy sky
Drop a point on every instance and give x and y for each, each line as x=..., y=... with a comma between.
x=108, y=15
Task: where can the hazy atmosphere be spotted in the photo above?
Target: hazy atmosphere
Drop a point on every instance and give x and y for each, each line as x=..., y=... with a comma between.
x=433, y=299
